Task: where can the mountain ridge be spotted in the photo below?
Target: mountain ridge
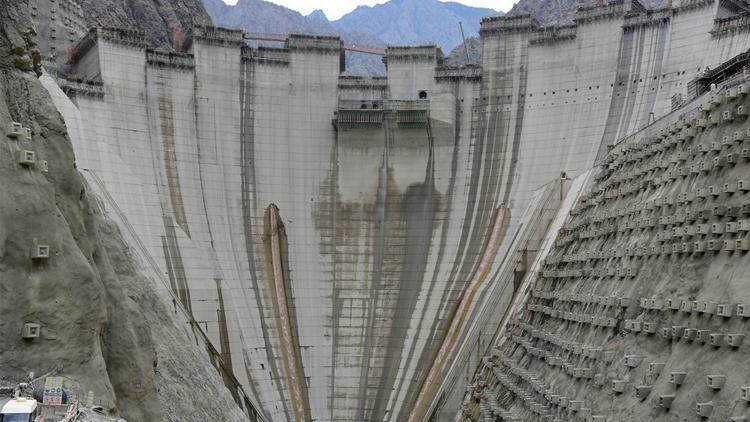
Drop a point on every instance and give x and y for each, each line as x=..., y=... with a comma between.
x=377, y=26
x=404, y=22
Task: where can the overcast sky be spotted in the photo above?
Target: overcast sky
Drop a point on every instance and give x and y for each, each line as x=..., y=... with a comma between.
x=334, y=9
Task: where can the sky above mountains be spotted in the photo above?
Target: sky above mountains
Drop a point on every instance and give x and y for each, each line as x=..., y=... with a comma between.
x=334, y=9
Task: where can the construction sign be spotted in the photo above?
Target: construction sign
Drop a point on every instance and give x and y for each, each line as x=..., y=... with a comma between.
x=53, y=391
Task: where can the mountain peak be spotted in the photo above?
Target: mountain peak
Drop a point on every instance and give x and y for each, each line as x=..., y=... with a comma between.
x=318, y=14
x=412, y=22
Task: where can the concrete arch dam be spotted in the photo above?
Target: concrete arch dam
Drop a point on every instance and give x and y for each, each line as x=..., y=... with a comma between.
x=324, y=230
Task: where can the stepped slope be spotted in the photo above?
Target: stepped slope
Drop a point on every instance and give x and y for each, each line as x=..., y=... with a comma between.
x=643, y=286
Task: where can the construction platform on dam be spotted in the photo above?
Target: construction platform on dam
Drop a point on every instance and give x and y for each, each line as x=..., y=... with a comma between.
x=553, y=234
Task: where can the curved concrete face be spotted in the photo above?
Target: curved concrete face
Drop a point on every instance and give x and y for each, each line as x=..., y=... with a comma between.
x=325, y=230
x=323, y=257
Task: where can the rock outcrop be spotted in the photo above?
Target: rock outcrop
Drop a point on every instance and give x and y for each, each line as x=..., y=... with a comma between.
x=164, y=22
x=104, y=324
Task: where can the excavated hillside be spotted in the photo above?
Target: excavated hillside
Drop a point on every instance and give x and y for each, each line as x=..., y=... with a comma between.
x=104, y=324
x=641, y=309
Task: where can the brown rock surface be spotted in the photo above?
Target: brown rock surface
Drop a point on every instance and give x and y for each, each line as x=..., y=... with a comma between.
x=159, y=19
x=103, y=323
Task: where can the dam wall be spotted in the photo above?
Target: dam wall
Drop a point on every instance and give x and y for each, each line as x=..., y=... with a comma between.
x=324, y=230
x=199, y=150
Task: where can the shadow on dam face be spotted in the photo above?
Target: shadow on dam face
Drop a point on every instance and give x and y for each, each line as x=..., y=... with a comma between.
x=382, y=243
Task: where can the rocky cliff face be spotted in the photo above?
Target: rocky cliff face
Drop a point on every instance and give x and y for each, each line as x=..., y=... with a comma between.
x=561, y=12
x=165, y=22
x=103, y=323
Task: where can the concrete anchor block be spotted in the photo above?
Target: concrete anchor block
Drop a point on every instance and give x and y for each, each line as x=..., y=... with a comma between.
x=40, y=252
x=655, y=368
x=707, y=307
x=666, y=332
x=642, y=391
x=735, y=339
x=745, y=393
x=633, y=361
x=716, y=382
x=690, y=334
x=14, y=130
x=655, y=304
x=619, y=386
x=724, y=310
x=666, y=400
x=743, y=310
x=650, y=327
x=704, y=409
x=677, y=378
x=704, y=336
x=583, y=373
x=716, y=339
x=31, y=331
x=26, y=158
